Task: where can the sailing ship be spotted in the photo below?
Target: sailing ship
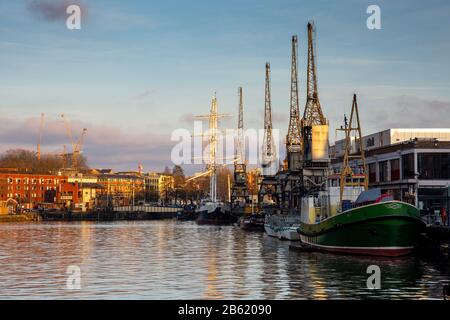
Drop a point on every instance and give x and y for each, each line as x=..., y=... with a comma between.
x=211, y=210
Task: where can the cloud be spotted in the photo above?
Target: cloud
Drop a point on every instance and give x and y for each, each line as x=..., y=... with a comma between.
x=362, y=61
x=412, y=112
x=188, y=118
x=144, y=94
x=104, y=146
x=279, y=117
x=52, y=10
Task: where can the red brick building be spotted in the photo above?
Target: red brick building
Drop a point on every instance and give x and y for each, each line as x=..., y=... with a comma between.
x=30, y=189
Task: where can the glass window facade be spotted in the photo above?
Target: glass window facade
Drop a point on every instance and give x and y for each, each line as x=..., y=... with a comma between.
x=395, y=170
x=408, y=166
x=434, y=166
x=372, y=172
x=383, y=171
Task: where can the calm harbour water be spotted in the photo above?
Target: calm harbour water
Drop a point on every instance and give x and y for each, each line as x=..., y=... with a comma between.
x=180, y=260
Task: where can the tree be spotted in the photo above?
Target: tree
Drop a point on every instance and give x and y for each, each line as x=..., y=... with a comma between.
x=179, y=182
x=178, y=176
x=222, y=182
x=27, y=161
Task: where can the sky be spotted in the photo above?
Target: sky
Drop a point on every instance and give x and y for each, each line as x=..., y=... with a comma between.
x=137, y=70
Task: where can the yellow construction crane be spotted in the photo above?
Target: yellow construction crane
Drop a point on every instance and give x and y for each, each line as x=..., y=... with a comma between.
x=64, y=156
x=76, y=146
x=41, y=128
x=347, y=173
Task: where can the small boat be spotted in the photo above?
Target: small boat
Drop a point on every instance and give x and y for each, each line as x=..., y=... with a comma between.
x=214, y=213
x=255, y=222
x=187, y=214
x=283, y=226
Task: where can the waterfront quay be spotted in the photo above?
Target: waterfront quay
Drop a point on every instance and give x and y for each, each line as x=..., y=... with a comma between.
x=112, y=214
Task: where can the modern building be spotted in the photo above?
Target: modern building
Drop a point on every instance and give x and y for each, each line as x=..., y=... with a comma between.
x=412, y=165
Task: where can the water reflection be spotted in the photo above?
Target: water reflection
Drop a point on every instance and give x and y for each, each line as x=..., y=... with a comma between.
x=176, y=260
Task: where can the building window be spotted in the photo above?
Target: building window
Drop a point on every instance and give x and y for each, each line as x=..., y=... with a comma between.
x=408, y=166
x=434, y=166
x=372, y=173
x=383, y=171
x=395, y=170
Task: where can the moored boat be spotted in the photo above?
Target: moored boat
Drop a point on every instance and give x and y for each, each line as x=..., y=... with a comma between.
x=187, y=214
x=213, y=213
x=343, y=215
x=255, y=222
x=283, y=226
x=388, y=228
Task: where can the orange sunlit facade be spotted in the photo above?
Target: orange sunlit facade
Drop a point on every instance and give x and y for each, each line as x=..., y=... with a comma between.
x=30, y=189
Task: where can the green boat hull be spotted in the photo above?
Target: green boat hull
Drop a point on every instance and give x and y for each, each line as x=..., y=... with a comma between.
x=385, y=229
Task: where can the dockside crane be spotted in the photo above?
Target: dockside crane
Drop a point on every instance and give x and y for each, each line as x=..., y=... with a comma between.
x=239, y=192
x=269, y=161
x=316, y=162
x=269, y=158
x=313, y=114
x=290, y=181
x=294, y=143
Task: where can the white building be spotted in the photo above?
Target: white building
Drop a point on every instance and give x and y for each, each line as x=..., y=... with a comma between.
x=413, y=165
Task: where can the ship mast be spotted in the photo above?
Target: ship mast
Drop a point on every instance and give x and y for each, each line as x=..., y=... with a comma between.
x=347, y=178
x=213, y=119
x=240, y=143
x=212, y=166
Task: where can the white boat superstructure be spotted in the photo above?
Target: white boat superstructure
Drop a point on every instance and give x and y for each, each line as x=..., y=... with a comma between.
x=283, y=226
x=209, y=206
